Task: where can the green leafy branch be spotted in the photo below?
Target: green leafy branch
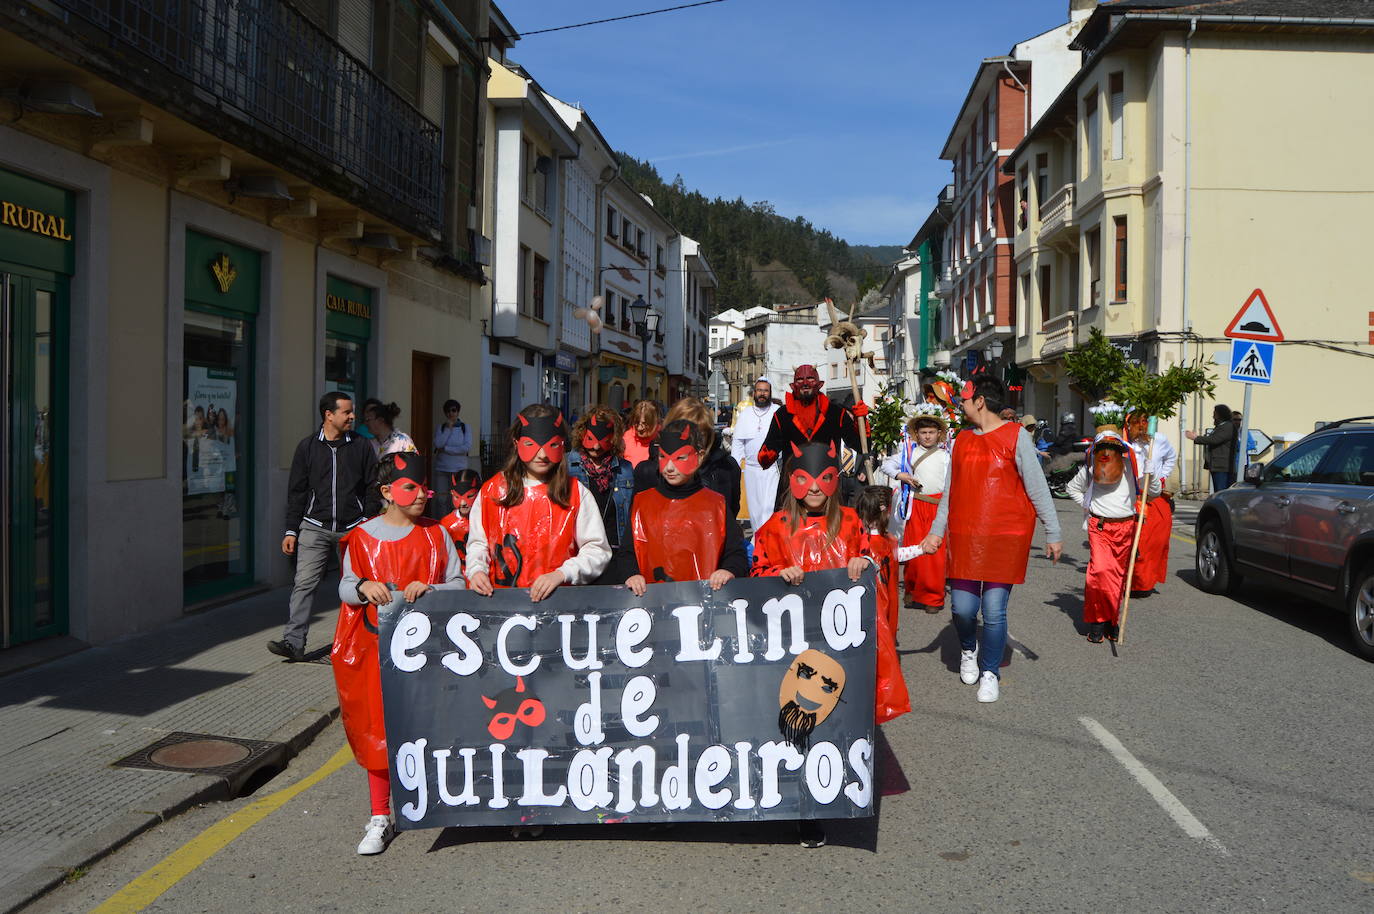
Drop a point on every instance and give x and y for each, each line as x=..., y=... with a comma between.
x=885, y=421
x=1161, y=395
x=1095, y=366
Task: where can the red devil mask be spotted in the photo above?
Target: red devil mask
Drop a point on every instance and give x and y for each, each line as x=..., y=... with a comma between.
x=675, y=447
x=548, y=433
x=967, y=392
x=815, y=464
x=513, y=706
x=409, y=482
x=599, y=434
x=806, y=381
x=466, y=484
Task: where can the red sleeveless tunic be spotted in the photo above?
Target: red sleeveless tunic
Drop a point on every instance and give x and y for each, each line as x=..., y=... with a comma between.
x=678, y=539
x=528, y=539
x=991, y=519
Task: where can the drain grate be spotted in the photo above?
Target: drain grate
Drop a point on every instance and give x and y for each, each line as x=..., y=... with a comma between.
x=227, y=757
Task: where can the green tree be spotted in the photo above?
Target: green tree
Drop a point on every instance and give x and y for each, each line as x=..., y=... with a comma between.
x=1095, y=366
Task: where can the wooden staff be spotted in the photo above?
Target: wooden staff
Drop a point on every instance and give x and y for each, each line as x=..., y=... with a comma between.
x=1135, y=544
x=863, y=435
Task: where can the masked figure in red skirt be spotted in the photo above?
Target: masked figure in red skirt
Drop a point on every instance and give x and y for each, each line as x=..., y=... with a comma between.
x=463, y=490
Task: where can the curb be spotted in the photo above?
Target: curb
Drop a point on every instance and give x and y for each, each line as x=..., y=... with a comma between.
x=295, y=736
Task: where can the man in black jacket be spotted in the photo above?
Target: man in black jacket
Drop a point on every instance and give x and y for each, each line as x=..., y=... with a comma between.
x=332, y=489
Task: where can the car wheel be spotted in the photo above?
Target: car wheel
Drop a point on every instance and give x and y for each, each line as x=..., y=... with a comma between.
x=1362, y=611
x=1214, y=571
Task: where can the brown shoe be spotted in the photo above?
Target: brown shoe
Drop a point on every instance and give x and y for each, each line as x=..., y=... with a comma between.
x=932, y=610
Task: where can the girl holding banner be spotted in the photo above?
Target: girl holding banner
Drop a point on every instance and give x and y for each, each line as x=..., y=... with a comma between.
x=532, y=525
x=463, y=488
x=680, y=530
x=399, y=552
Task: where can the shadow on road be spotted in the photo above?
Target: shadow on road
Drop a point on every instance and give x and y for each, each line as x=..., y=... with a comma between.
x=1299, y=612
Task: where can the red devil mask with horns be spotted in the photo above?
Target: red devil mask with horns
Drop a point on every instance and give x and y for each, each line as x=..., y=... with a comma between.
x=409, y=482
x=675, y=447
x=600, y=433
x=548, y=433
x=511, y=707
x=465, y=486
x=815, y=464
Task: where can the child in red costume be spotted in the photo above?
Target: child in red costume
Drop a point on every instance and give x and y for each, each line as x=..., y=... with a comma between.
x=463, y=491
x=874, y=508
x=812, y=531
x=705, y=542
x=532, y=525
x=398, y=553
x=919, y=468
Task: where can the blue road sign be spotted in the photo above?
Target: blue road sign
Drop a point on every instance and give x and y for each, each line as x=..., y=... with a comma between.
x=1252, y=361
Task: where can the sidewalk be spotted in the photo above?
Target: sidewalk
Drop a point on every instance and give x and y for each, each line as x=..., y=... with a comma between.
x=63, y=723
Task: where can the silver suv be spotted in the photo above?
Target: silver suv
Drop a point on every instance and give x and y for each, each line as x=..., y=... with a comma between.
x=1303, y=522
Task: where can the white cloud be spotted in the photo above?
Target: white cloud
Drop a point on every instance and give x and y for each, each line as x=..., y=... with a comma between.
x=727, y=150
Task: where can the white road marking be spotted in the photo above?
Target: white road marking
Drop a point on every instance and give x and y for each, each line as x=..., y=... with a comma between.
x=1154, y=787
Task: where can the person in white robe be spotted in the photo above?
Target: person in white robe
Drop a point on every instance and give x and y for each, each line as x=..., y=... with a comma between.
x=752, y=421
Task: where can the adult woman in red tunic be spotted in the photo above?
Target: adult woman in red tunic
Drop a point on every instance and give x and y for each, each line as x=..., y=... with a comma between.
x=995, y=490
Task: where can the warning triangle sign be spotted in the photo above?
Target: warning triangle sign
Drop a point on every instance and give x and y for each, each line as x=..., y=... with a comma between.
x=1255, y=321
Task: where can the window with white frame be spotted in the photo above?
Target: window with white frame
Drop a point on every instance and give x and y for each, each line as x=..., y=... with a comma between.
x=1116, y=85
x=1092, y=133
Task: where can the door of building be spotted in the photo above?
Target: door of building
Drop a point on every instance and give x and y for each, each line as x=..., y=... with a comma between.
x=422, y=372
x=502, y=381
x=33, y=441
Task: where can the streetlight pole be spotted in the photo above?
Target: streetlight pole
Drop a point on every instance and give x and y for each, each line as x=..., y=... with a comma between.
x=646, y=325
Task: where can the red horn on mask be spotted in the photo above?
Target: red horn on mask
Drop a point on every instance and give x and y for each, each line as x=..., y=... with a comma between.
x=796, y=451
x=489, y=702
x=400, y=462
x=686, y=432
x=831, y=452
x=519, y=683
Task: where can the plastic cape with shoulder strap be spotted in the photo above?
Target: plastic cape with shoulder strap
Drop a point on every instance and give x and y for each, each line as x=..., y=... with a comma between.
x=891, y=699
x=420, y=556
x=776, y=547
x=531, y=538
x=678, y=539
x=457, y=526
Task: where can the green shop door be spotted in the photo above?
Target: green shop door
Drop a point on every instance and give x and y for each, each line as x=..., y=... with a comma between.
x=33, y=441
x=37, y=255
x=223, y=284
x=347, y=329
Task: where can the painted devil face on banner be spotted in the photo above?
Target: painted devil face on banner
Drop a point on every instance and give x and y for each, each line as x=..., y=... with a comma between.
x=511, y=707
x=806, y=382
x=466, y=485
x=816, y=464
x=675, y=449
x=599, y=435
x=543, y=432
x=409, y=483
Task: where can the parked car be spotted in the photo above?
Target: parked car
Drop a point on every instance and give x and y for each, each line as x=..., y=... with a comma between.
x=1303, y=522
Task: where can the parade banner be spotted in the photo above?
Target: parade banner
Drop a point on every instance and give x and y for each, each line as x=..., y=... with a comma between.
x=596, y=706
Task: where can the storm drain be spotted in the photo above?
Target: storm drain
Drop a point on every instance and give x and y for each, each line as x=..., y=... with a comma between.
x=230, y=758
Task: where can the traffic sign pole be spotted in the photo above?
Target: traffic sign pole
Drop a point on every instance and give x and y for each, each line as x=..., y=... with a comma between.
x=1243, y=445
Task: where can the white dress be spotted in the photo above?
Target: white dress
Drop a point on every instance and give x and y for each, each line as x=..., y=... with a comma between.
x=760, y=485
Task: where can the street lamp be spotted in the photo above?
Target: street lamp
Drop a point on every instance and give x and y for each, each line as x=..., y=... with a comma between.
x=994, y=350
x=646, y=325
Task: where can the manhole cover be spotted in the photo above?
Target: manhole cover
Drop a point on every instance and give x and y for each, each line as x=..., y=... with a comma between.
x=229, y=757
x=200, y=753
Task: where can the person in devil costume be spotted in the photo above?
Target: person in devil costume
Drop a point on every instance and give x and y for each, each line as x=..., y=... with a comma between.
x=807, y=416
x=598, y=462
x=532, y=524
x=874, y=507
x=463, y=488
x=680, y=530
x=811, y=532
x=400, y=554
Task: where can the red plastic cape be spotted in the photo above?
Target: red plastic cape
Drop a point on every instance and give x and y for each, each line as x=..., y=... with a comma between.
x=991, y=519
x=776, y=547
x=531, y=538
x=892, y=699
x=1152, y=561
x=420, y=556
x=678, y=539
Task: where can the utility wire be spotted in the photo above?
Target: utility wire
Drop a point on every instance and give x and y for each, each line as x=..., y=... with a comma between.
x=578, y=25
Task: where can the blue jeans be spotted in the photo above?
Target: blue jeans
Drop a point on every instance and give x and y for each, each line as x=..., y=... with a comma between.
x=1221, y=481
x=970, y=596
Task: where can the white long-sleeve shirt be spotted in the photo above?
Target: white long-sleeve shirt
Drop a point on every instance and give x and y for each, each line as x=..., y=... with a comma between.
x=1162, y=461
x=593, y=550
x=1107, y=501
x=932, y=473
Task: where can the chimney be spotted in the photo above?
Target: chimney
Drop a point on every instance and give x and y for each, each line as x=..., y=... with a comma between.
x=1081, y=9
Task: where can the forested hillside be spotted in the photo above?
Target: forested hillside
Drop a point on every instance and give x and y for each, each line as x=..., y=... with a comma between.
x=759, y=257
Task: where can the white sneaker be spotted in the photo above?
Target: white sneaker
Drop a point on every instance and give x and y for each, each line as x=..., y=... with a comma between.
x=377, y=836
x=988, y=687
x=968, y=667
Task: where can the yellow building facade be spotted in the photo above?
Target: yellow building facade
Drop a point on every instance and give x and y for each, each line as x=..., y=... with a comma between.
x=1190, y=162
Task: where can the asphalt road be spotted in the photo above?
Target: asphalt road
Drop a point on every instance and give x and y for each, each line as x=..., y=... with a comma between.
x=1217, y=761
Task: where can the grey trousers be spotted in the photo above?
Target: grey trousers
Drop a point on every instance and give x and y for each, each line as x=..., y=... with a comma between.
x=313, y=547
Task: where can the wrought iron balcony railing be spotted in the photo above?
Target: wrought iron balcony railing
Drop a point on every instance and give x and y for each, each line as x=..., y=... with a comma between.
x=263, y=64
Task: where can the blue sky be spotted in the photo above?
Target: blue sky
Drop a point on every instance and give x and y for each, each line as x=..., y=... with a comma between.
x=835, y=111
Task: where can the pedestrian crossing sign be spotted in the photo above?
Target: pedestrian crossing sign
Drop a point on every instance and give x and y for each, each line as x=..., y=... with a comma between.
x=1252, y=361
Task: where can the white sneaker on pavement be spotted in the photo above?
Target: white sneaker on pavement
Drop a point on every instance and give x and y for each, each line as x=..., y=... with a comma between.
x=968, y=667
x=988, y=687
x=377, y=836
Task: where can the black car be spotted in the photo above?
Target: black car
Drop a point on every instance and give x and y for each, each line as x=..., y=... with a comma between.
x=1304, y=523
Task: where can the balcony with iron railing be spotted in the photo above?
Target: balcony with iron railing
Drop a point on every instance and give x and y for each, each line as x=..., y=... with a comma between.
x=259, y=75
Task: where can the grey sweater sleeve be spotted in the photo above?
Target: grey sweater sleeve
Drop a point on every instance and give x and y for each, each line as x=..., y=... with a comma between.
x=1032, y=477
x=1037, y=487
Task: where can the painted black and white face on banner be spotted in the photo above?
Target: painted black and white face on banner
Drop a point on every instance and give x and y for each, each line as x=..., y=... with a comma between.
x=596, y=706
